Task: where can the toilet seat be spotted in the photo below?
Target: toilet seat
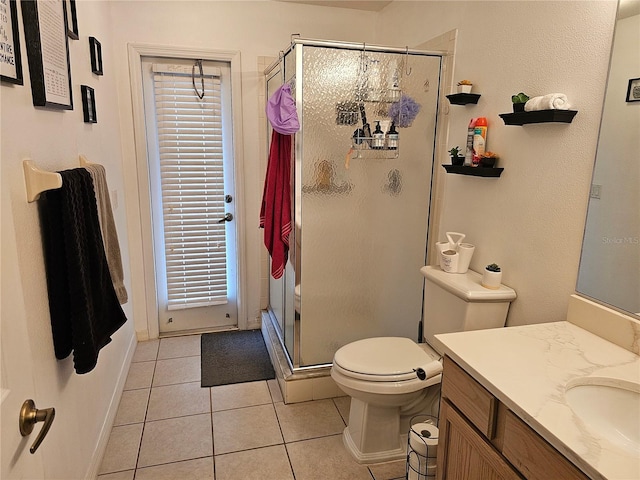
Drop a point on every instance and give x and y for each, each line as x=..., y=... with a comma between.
x=386, y=359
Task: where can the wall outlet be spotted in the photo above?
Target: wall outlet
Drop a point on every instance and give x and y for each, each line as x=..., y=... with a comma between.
x=595, y=191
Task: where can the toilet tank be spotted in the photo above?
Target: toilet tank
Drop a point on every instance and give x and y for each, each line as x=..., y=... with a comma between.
x=457, y=302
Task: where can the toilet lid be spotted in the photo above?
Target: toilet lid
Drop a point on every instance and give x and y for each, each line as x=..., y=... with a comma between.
x=382, y=356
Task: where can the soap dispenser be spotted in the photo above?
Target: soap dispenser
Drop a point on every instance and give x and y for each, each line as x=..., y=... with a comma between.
x=392, y=137
x=378, y=137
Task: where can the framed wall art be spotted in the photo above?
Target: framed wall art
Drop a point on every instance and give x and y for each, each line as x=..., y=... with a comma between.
x=71, y=19
x=96, y=55
x=89, y=104
x=47, y=44
x=10, y=59
x=633, y=90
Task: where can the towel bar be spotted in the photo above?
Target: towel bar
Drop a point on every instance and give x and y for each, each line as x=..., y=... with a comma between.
x=38, y=181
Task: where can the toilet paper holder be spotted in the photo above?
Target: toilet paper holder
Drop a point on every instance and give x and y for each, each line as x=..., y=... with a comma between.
x=422, y=446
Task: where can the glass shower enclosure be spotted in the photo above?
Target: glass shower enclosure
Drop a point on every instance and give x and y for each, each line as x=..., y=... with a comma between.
x=360, y=204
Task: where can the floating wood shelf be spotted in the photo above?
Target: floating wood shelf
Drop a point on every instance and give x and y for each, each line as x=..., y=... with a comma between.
x=463, y=98
x=539, y=116
x=474, y=171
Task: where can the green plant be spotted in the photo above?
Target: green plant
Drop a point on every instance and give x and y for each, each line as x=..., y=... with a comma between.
x=455, y=151
x=520, y=98
x=493, y=267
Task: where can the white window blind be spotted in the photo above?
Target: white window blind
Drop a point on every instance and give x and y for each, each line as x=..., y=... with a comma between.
x=191, y=172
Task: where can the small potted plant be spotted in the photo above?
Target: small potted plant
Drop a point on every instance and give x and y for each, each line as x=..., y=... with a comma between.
x=456, y=158
x=488, y=159
x=518, y=101
x=492, y=276
x=464, y=86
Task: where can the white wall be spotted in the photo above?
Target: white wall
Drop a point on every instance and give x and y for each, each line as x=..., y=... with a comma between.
x=531, y=219
x=255, y=28
x=53, y=140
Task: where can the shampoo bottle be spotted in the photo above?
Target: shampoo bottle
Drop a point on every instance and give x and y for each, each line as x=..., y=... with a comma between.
x=392, y=137
x=479, y=140
x=378, y=137
x=468, y=156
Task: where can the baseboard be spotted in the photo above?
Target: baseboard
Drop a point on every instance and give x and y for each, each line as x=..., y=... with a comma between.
x=110, y=417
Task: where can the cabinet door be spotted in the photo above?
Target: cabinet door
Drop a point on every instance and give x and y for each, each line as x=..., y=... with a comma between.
x=464, y=455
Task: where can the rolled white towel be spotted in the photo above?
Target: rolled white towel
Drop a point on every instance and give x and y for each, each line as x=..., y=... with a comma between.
x=553, y=101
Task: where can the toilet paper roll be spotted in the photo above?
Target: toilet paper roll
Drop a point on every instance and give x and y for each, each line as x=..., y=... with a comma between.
x=441, y=247
x=465, y=251
x=419, y=470
x=449, y=261
x=423, y=439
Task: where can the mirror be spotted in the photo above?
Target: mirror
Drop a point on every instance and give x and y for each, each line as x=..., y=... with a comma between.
x=610, y=262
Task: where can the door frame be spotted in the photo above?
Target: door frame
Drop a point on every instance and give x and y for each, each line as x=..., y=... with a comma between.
x=135, y=52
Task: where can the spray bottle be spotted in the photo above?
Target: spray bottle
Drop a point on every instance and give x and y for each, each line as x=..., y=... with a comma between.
x=479, y=140
x=468, y=156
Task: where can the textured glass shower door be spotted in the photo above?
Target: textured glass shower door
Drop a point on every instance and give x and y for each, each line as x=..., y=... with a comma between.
x=361, y=224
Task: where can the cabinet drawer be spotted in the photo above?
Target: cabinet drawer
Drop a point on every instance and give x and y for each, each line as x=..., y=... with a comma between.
x=533, y=456
x=471, y=398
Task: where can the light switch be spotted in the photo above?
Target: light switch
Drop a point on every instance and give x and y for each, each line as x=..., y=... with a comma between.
x=595, y=191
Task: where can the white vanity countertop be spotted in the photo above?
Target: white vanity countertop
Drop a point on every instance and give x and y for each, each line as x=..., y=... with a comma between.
x=527, y=368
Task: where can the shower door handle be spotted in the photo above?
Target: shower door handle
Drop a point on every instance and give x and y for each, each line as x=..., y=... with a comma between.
x=227, y=218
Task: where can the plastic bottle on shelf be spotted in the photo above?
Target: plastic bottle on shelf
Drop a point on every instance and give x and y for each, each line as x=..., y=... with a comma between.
x=468, y=156
x=377, y=141
x=479, y=140
x=392, y=137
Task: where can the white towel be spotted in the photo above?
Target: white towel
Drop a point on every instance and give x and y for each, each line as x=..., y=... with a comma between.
x=553, y=101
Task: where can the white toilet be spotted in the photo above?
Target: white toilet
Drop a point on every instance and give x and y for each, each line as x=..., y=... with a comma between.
x=388, y=378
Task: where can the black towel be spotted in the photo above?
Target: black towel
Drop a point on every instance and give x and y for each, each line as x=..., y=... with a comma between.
x=84, y=307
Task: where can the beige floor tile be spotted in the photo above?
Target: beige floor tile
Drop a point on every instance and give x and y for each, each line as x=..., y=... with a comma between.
x=122, y=449
x=146, y=351
x=140, y=375
x=389, y=470
x=269, y=463
x=133, y=407
x=177, y=370
x=128, y=475
x=174, y=347
x=325, y=459
x=178, y=400
x=198, y=469
x=343, y=404
x=239, y=395
x=176, y=439
x=274, y=388
x=245, y=428
x=300, y=421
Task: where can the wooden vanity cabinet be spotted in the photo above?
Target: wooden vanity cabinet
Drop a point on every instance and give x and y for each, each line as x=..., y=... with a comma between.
x=480, y=439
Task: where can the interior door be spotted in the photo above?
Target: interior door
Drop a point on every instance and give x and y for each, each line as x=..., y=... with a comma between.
x=16, y=379
x=190, y=160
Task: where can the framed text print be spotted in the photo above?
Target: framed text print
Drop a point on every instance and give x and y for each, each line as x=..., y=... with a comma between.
x=48, y=53
x=10, y=60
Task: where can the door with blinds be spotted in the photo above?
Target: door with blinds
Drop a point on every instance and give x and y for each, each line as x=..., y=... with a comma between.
x=189, y=140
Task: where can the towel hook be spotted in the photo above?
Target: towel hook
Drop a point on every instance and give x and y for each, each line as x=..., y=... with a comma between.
x=408, y=70
x=193, y=78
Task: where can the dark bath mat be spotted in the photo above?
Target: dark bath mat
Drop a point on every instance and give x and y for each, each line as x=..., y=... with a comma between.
x=234, y=357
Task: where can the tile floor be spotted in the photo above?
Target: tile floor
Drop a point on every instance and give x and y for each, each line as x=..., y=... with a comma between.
x=168, y=427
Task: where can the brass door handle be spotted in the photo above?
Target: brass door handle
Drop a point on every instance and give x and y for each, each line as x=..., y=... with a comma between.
x=29, y=416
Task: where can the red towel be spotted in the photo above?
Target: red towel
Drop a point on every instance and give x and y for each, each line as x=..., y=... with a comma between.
x=275, y=214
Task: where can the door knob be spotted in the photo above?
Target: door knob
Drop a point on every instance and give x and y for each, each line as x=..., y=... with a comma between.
x=29, y=416
x=227, y=218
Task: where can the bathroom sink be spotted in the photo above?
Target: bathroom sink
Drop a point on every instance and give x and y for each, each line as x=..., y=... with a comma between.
x=610, y=408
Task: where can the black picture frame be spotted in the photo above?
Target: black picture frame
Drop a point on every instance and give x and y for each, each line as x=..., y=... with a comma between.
x=89, y=104
x=71, y=19
x=633, y=90
x=11, y=63
x=44, y=23
x=96, y=56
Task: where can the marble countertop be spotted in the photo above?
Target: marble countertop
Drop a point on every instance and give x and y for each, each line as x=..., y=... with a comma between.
x=527, y=369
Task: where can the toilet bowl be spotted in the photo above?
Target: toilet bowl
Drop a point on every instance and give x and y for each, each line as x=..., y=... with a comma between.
x=391, y=379
x=388, y=380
